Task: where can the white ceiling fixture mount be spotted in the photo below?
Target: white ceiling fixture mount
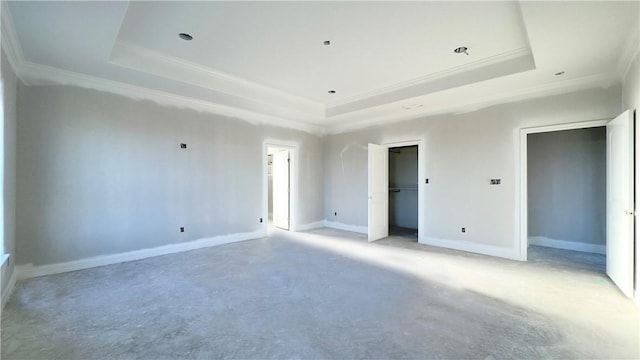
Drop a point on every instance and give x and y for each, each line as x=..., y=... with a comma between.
x=461, y=50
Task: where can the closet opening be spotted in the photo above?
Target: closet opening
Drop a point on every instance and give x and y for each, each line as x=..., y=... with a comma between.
x=403, y=192
x=567, y=202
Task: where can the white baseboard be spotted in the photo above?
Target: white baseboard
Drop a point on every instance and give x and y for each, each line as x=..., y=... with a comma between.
x=310, y=226
x=29, y=271
x=9, y=289
x=567, y=245
x=507, y=253
x=346, y=227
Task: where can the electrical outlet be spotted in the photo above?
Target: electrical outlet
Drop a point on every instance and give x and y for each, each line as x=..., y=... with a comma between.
x=183, y=146
x=495, y=182
x=181, y=228
x=464, y=229
x=426, y=181
x=260, y=219
x=335, y=213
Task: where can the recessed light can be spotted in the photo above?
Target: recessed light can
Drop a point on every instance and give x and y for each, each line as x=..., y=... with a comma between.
x=185, y=36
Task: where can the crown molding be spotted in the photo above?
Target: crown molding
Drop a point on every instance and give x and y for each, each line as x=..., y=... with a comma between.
x=298, y=107
x=38, y=74
x=10, y=43
x=496, y=59
x=145, y=60
x=342, y=125
x=629, y=53
x=505, y=64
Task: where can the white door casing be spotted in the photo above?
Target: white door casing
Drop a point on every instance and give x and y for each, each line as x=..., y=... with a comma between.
x=378, y=192
x=281, y=192
x=620, y=208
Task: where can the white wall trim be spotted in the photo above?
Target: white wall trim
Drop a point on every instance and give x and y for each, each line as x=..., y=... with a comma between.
x=629, y=53
x=521, y=242
x=567, y=245
x=346, y=227
x=29, y=271
x=495, y=59
x=369, y=117
x=293, y=181
x=10, y=43
x=145, y=60
x=37, y=74
x=491, y=250
x=310, y=226
x=6, y=295
x=421, y=175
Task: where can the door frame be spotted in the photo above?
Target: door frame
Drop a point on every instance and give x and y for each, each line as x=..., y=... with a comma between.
x=293, y=182
x=421, y=176
x=523, y=207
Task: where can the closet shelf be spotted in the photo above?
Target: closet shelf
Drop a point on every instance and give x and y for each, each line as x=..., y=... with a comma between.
x=402, y=189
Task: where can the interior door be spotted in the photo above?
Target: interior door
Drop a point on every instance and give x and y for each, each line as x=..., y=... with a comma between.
x=620, y=194
x=280, y=180
x=378, y=192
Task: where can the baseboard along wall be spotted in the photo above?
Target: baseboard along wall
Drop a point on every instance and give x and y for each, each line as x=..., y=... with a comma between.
x=29, y=271
x=567, y=245
x=346, y=227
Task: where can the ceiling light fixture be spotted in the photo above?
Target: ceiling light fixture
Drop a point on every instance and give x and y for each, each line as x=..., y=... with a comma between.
x=559, y=73
x=332, y=91
x=461, y=49
x=327, y=42
x=185, y=36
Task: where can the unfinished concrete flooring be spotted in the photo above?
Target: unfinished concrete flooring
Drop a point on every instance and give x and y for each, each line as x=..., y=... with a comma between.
x=325, y=294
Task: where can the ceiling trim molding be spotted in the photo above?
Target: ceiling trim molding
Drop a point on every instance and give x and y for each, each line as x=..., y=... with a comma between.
x=567, y=86
x=38, y=74
x=496, y=59
x=10, y=43
x=145, y=60
x=629, y=53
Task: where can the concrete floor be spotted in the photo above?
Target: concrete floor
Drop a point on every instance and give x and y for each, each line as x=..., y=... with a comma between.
x=325, y=294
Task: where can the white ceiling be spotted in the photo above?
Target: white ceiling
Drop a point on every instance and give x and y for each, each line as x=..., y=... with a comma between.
x=387, y=60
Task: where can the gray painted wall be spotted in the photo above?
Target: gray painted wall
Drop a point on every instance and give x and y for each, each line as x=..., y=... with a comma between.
x=567, y=178
x=462, y=152
x=102, y=174
x=403, y=174
x=10, y=115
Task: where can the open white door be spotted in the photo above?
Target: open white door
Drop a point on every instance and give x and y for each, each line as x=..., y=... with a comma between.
x=620, y=195
x=378, y=192
x=280, y=179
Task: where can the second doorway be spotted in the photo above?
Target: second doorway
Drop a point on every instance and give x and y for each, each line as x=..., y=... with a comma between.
x=403, y=192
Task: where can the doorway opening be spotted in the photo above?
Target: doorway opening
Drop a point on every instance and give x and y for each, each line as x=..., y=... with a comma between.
x=378, y=211
x=566, y=191
x=618, y=204
x=279, y=187
x=403, y=192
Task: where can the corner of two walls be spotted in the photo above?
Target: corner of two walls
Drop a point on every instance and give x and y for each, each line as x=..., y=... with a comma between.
x=101, y=175
x=462, y=152
x=9, y=108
